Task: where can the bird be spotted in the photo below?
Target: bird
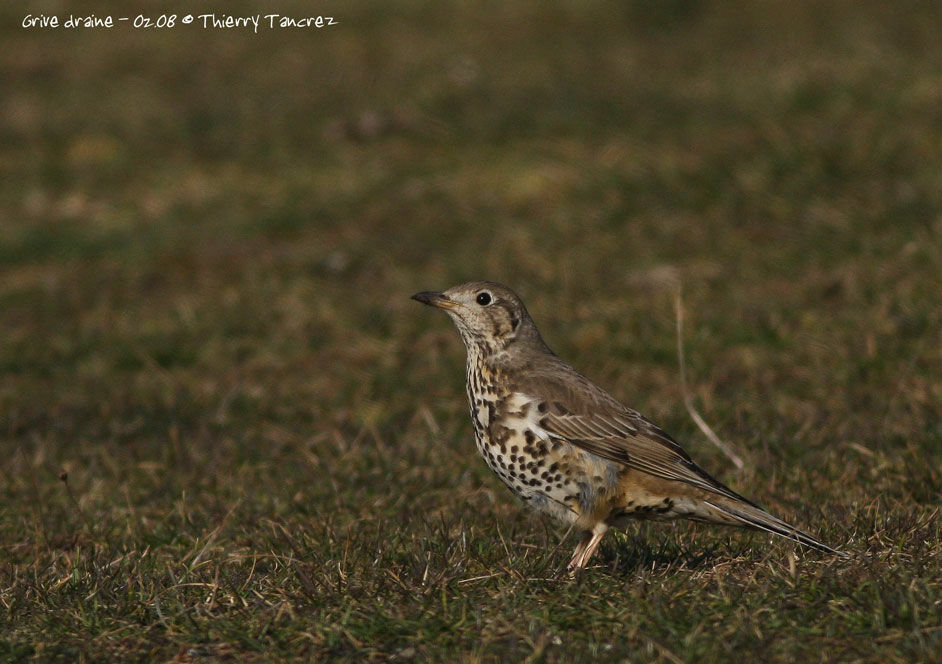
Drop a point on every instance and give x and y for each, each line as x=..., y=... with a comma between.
x=565, y=446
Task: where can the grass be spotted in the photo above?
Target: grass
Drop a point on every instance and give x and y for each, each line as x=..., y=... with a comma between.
x=229, y=435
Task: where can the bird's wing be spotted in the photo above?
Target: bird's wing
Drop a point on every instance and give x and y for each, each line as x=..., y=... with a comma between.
x=575, y=409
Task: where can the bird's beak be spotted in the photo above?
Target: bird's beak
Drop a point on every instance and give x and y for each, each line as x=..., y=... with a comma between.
x=435, y=299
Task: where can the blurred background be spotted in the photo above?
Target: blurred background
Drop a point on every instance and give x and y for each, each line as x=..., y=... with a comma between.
x=209, y=237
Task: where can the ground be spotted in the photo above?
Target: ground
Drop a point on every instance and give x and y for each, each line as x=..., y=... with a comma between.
x=229, y=435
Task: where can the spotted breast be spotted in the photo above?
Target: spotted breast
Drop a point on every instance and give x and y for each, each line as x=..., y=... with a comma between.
x=546, y=472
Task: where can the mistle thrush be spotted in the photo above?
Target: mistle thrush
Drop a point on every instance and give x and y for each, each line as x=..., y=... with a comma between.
x=564, y=445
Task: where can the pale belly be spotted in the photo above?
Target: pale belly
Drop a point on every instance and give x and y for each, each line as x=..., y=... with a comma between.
x=549, y=474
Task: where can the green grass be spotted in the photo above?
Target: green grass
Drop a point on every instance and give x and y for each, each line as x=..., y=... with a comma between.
x=229, y=435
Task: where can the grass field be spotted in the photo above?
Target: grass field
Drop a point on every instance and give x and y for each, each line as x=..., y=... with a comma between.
x=227, y=434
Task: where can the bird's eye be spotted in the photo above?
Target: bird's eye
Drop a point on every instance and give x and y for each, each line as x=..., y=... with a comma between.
x=484, y=298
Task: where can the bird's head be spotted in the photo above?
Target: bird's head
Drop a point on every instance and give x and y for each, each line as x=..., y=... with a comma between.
x=489, y=316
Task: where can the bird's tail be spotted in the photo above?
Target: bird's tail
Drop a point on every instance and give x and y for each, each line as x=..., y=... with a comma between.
x=746, y=514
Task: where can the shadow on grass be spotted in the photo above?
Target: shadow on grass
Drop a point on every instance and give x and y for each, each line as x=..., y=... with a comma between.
x=632, y=556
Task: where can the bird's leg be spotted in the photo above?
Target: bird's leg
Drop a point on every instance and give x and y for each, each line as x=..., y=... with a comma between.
x=597, y=534
x=580, y=548
x=590, y=542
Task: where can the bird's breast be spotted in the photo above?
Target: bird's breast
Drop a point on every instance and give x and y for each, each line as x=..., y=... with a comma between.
x=547, y=472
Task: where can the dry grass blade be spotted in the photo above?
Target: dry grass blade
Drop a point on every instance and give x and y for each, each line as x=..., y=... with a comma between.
x=724, y=447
